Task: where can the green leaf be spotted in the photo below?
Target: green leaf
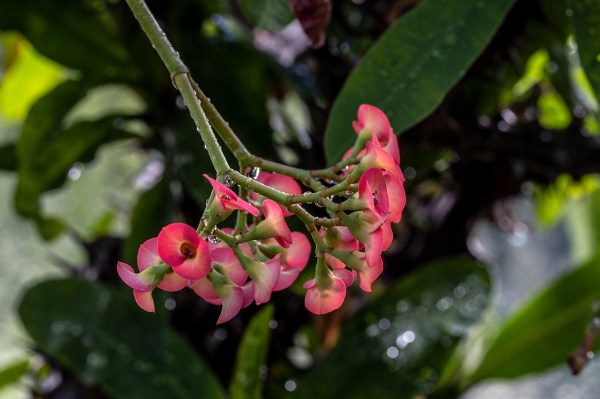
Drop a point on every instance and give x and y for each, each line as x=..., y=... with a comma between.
x=585, y=21
x=152, y=212
x=267, y=14
x=13, y=373
x=100, y=335
x=544, y=332
x=8, y=157
x=47, y=169
x=72, y=33
x=252, y=353
x=398, y=345
x=412, y=66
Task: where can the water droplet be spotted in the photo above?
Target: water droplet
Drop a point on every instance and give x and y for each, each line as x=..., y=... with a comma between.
x=436, y=54
x=213, y=239
x=349, y=193
x=392, y=352
x=290, y=385
x=450, y=39
x=569, y=12
x=96, y=360
x=254, y=172
x=227, y=180
x=383, y=73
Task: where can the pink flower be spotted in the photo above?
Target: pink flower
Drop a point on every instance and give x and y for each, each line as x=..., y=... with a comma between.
x=365, y=226
x=356, y=261
x=230, y=294
x=226, y=201
x=148, y=256
x=372, y=120
x=264, y=275
x=228, y=264
x=375, y=157
x=395, y=190
x=180, y=247
x=293, y=259
x=326, y=292
x=274, y=226
x=338, y=237
x=279, y=182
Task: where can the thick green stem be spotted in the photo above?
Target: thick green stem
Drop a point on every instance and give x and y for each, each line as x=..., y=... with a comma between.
x=181, y=79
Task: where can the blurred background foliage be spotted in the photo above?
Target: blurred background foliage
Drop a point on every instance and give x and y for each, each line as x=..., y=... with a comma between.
x=494, y=272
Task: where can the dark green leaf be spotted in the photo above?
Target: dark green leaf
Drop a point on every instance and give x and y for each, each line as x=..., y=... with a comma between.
x=267, y=14
x=397, y=347
x=252, y=353
x=410, y=69
x=105, y=339
x=13, y=373
x=73, y=33
x=152, y=212
x=544, y=332
x=8, y=157
x=585, y=20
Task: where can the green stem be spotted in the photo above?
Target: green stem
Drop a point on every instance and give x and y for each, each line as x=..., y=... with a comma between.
x=180, y=76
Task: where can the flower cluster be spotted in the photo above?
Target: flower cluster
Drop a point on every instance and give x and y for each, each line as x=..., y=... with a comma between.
x=235, y=267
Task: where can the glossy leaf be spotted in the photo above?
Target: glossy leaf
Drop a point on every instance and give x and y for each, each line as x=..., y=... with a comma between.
x=398, y=345
x=267, y=14
x=410, y=69
x=252, y=354
x=101, y=336
x=13, y=373
x=585, y=21
x=544, y=332
x=71, y=33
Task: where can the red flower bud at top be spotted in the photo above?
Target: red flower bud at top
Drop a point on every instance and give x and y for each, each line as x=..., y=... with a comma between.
x=226, y=201
x=273, y=226
x=180, y=247
x=279, y=182
x=372, y=118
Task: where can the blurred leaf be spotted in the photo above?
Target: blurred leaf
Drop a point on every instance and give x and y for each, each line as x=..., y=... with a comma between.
x=73, y=33
x=401, y=73
x=554, y=112
x=100, y=335
x=48, y=227
x=8, y=157
x=398, y=345
x=30, y=77
x=47, y=169
x=152, y=212
x=13, y=373
x=252, y=353
x=544, y=332
x=267, y=14
x=535, y=70
x=585, y=21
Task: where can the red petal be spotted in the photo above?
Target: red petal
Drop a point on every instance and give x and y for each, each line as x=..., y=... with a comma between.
x=232, y=298
x=170, y=240
x=172, y=282
x=265, y=280
x=197, y=267
x=345, y=275
x=231, y=265
x=286, y=278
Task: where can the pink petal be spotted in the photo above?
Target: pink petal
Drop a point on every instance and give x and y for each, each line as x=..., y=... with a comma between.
x=172, y=282
x=367, y=275
x=144, y=300
x=248, y=296
x=196, y=267
x=204, y=289
x=279, y=182
x=148, y=254
x=136, y=281
x=228, y=199
x=298, y=253
x=388, y=235
x=232, y=298
x=374, y=247
x=397, y=197
x=310, y=283
x=286, y=278
x=371, y=117
x=327, y=300
x=173, y=239
x=274, y=226
x=265, y=280
x=345, y=275
x=231, y=265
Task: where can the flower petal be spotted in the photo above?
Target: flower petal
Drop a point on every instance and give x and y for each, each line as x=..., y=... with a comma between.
x=231, y=265
x=345, y=275
x=148, y=254
x=232, y=298
x=172, y=282
x=204, y=289
x=137, y=281
x=287, y=278
x=144, y=300
x=196, y=267
x=170, y=241
x=327, y=300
